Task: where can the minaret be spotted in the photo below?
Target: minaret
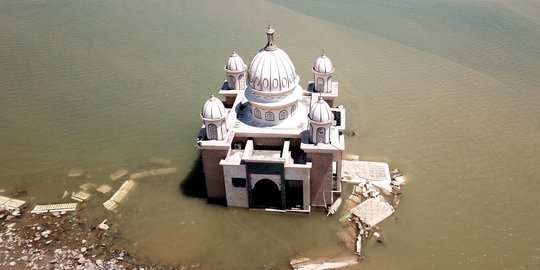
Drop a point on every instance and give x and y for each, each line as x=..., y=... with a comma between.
x=322, y=74
x=214, y=117
x=235, y=70
x=320, y=122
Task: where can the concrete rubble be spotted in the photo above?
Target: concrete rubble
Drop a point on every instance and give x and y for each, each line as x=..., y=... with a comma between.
x=367, y=205
x=159, y=161
x=80, y=196
x=74, y=173
x=10, y=203
x=61, y=241
x=156, y=172
x=119, y=174
x=322, y=264
x=119, y=195
x=57, y=236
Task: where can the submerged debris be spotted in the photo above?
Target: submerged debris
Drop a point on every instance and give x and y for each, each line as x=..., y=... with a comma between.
x=103, y=225
x=119, y=174
x=366, y=205
x=104, y=189
x=58, y=207
x=80, y=196
x=159, y=161
x=10, y=203
x=335, y=206
x=119, y=195
x=322, y=264
x=75, y=173
x=156, y=172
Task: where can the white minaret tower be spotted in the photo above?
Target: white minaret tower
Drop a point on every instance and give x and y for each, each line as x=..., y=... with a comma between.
x=322, y=74
x=214, y=117
x=235, y=71
x=320, y=122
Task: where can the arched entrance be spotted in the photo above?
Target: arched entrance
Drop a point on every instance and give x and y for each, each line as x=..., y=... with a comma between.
x=266, y=194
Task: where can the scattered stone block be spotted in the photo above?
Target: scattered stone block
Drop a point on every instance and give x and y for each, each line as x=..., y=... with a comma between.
x=110, y=205
x=119, y=195
x=156, y=172
x=87, y=186
x=104, y=189
x=372, y=211
x=159, y=161
x=58, y=207
x=80, y=196
x=75, y=173
x=10, y=203
x=119, y=174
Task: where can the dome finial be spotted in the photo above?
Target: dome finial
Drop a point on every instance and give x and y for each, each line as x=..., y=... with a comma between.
x=270, y=45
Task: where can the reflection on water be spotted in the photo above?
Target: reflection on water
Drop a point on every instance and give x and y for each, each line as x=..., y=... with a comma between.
x=445, y=90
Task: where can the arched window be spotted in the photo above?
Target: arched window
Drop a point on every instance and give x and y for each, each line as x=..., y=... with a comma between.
x=282, y=114
x=269, y=116
x=321, y=135
x=231, y=81
x=241, y=81
x=257, y=113
x=293, y=109
x=329, y=84
x=320, y=84
x=211, y=132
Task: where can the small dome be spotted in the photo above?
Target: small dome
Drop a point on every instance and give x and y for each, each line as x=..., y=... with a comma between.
x=271, y=70
x=320, y=111
x=323, y=64
x=235, y=63
x=213, y=109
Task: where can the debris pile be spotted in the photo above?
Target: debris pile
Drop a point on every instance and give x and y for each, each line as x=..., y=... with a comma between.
x=60, y=240
x=57, y=236
x=367, y=205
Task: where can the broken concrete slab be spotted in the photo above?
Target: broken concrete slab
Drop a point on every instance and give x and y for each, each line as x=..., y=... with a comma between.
x=58, y=207
x=104, y=189
x=366, y=170
x=322, y=264
x=119, y=174
x=372, y=211
x=14, y=203
x=10, y=203
x=119, y=196
x=75, y=173
x=110, y=205
x=127, y=185
x=80, y=196
x=159, y=161
x=87, y=186
x=156, y=172
x=4, y=200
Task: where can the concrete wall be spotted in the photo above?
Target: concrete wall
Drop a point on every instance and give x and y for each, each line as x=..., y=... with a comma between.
x=236, y=196
x=213, y=172
x=321, y=178
x=301, y=172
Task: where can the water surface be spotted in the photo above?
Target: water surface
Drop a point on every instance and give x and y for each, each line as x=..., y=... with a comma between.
x=445, y=90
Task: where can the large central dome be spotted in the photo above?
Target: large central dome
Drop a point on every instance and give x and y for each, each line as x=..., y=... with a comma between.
x=273, y=89
x=271, y=70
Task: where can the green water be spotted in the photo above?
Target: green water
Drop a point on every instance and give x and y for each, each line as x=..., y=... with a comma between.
x=448, y=91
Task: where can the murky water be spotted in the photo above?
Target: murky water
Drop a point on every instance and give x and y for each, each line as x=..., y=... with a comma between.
x=448, y=91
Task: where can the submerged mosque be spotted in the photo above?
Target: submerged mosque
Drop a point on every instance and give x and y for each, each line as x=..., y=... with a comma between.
x=270, y=143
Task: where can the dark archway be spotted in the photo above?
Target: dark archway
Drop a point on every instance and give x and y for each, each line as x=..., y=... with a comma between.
x=266, y=194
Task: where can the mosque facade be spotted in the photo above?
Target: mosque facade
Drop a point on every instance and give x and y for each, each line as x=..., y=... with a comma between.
x=270, y=143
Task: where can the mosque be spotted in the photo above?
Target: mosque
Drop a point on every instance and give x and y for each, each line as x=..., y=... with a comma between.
x=272, y=144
